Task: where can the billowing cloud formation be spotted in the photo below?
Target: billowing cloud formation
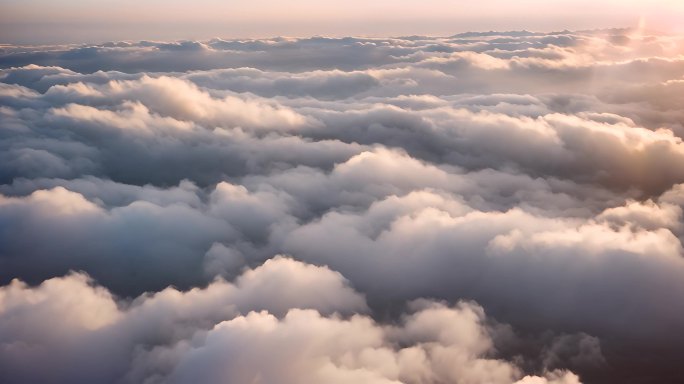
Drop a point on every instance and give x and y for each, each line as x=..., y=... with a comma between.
x=414, y=183
x=224, y=332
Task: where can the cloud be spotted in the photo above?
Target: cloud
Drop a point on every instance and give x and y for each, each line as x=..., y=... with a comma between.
x=422, y=247
x=148, y=191
x=324, y=85
x=224, y=332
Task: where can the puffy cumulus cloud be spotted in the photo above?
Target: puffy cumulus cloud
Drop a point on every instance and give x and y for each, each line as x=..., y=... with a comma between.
x=227, y=332
x=421, y=246
x=584, y=148
x=536, y=176
x=440, y=344
x=66, y=321
x=130, y=141
x=105, y=241
x=183, y=101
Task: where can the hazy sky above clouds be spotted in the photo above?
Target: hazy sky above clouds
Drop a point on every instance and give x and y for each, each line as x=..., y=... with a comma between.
x=57, y=21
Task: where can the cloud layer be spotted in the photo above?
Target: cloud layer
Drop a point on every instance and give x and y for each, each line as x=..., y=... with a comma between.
x=485, y=207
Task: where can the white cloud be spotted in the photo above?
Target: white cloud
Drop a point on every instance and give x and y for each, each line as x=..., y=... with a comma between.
x=538, y=174
x=224, y=333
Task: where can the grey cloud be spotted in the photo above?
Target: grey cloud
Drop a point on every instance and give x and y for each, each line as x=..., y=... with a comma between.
x=322, y=84
x=536, y=174
x=446, y=251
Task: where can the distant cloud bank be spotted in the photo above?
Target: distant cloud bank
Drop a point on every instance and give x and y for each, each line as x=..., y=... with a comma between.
x=499, y=207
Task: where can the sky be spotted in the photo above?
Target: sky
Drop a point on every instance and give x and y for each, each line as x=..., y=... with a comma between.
x=62, y=21
x=478, y=206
